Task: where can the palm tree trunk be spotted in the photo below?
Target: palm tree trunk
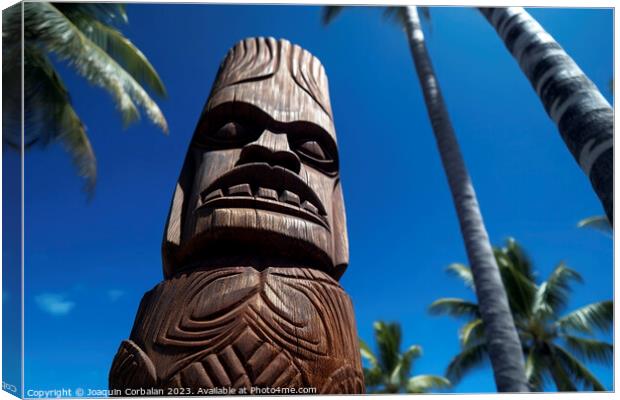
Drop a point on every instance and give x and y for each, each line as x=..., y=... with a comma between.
x=583, y=116
x=503, y=343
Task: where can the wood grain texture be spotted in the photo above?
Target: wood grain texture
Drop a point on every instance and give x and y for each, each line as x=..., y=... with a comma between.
x=240, y=327
x=280, y=78
x=267, y=125
x=254, y=243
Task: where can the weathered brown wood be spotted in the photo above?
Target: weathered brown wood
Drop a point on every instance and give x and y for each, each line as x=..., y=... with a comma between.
x=240, y=327
x=254, y=243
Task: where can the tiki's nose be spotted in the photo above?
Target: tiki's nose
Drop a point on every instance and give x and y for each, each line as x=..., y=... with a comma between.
x=273, y=149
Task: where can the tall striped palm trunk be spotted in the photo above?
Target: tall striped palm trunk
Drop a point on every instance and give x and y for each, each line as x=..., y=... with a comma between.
x=583, y=116
x=501, y=336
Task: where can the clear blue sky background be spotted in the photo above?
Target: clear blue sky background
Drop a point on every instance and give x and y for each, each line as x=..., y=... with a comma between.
x=88, y=264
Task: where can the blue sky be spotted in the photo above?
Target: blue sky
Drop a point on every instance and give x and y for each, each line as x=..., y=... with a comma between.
x=88, y=264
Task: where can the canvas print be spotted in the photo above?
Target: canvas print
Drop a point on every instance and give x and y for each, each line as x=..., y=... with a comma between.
x=204, y=199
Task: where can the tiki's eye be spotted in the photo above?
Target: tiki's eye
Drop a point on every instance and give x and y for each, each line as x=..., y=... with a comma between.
x=230, y=132
x=316, y=155
x=313, y=150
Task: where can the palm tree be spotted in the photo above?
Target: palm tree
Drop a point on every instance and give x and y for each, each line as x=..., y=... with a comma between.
x=553, y=344
x=504, y=346
x=390, y=371
x=583, y=116
x=84, y=36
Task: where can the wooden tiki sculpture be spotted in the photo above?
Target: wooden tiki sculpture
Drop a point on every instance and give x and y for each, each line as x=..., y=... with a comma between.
x=254, y=244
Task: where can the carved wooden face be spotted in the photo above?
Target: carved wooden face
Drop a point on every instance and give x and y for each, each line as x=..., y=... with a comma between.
x=261, y=181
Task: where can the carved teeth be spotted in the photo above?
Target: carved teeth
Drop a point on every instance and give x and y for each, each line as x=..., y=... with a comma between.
x=267, y=194
x=289, y=197
x=244, y=189
x=214, y=195
x=310, y=207
x=240, y=190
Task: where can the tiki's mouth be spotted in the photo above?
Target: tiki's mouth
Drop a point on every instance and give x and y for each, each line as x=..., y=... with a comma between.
x=263, y=187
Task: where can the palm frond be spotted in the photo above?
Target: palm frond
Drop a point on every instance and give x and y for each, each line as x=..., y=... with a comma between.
x=75, y=141
x=413, y=352
x=330, y=13
x=107, y=13
x=388, y=337
x=577, y=371
x=123, y=51
x=403, y=369
x=541, y=308
x=395, y=377
x=367, y=354
x=373, y=376
x=426, y=383
x=50, y=116
x=12, y=99
x=463, y=272
x=454, y=307
x=520, y=290
x=425, y=12
x=553, y=293
x=598, y=222
x=561, y=376
x=11, y=27
x=396, y=14
x=468, y=359
x=518, y=258
x=471, y=332
x=48, y=26
x=517, y=276
x=535, y=367
x=590, y=349
x=585, y=319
